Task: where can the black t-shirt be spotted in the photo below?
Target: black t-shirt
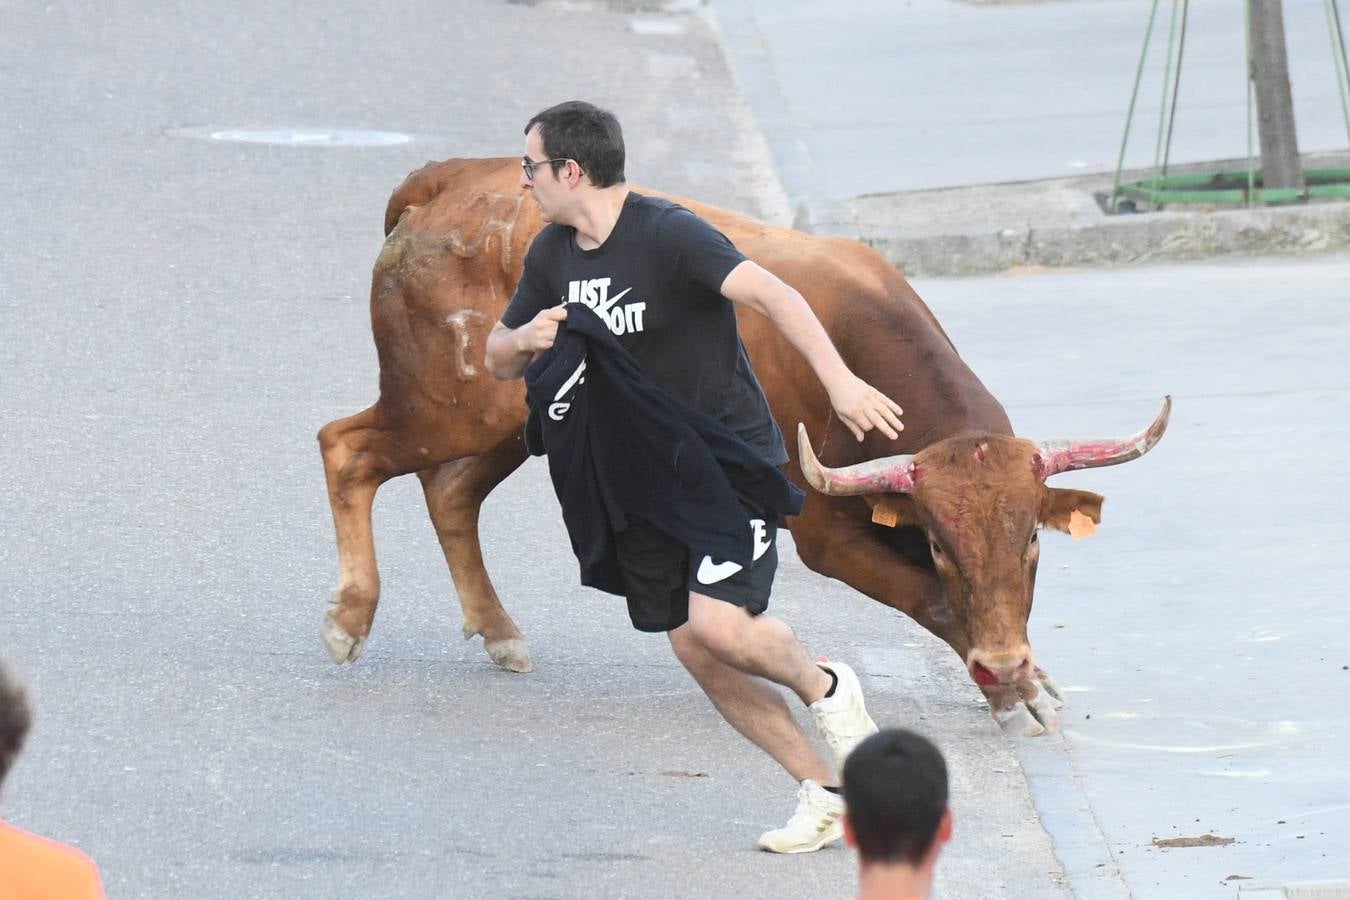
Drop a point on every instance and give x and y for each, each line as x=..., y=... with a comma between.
x=656, y=281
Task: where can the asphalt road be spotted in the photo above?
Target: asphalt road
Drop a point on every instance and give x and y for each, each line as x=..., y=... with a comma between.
x=181, y=314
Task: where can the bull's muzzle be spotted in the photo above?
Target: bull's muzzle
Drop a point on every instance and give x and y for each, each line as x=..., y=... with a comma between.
x=1009, y=666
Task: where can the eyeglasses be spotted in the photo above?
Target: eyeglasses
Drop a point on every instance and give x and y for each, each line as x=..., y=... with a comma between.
x=529, y=165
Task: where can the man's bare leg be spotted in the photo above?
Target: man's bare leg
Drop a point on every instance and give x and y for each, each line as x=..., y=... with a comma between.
x=756, y=645
x=752, y=706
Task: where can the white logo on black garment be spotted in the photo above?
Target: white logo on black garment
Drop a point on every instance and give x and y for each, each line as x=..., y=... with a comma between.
x=710, y=572
x=594, y=292
x=556, y=409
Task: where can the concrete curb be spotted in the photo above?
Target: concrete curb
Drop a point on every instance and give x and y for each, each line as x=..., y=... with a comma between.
x=1301, y=890
x=1037, y=231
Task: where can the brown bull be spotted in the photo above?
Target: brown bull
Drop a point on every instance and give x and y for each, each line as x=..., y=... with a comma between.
x=947, y=535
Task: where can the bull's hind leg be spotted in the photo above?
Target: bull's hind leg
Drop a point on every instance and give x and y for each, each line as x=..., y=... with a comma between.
x=455, y=492
x=357, y=458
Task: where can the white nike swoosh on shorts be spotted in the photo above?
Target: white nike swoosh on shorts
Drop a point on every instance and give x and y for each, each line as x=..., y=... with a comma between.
x=710, y=572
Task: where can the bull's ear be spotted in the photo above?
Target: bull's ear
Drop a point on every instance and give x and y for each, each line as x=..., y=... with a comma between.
x=1076, y=512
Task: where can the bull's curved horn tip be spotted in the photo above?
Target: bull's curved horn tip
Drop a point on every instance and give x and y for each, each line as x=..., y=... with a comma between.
x=804, y=447
x=1160, y=423
x=807, y=461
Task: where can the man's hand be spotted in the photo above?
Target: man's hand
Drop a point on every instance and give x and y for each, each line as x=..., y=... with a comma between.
x=540, y=332
x=862, y=407
x=509, y=350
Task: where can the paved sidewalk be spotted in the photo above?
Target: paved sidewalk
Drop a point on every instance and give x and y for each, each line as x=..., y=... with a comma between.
x=960, y=137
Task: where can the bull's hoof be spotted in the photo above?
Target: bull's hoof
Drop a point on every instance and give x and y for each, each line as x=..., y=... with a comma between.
x=1050, y=688
x=1018, y=721
x=341, y=646
x=512, y=654
x=1027, y=709
x=1042, y=707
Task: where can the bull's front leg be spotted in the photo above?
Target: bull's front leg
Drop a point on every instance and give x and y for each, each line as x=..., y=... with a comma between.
x=842, y=545
x=454, y=493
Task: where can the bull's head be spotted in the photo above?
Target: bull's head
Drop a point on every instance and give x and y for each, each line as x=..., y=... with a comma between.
x=980, y=500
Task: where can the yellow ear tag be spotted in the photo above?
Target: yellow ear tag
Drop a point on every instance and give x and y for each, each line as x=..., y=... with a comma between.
x=885, y=514
x=1080, y=526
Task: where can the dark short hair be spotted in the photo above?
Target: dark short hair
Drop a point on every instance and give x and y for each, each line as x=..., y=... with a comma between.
x=588, y=134
x=895, y=791
x=15, y=718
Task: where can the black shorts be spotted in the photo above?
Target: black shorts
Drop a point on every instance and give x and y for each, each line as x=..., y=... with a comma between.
x=659, y=572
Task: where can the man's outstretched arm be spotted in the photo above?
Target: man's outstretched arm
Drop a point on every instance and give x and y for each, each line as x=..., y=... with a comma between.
x=859, y=406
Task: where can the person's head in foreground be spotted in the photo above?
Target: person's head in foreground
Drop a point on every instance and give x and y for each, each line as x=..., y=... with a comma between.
x=14, y=720
x=32, y=867
x=895, y=794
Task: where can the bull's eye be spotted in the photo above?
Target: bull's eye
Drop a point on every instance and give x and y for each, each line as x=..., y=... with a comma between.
x=935, y=546
x=1035, y=536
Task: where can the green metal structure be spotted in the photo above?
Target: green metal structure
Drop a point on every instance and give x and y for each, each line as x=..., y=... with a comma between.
x=1235, y=188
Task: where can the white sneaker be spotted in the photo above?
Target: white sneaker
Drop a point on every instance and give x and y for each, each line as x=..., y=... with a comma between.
x=817, y=821
x=842, y=719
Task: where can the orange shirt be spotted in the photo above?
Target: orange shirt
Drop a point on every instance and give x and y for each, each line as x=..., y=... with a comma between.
x=35, y=868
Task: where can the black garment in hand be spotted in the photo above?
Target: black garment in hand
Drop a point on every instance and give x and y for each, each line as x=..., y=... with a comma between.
x=620, y=446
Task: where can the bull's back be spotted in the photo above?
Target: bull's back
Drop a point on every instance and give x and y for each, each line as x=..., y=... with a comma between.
x=458, y=232
x=883, y=330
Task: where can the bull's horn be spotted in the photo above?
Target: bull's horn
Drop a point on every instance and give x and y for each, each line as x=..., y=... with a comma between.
x=889, y=475
x=1063, y=455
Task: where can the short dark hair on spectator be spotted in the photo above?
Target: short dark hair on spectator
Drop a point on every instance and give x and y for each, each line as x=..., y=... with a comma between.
x=15, y=718
x=588, y=134
x=895, y=791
